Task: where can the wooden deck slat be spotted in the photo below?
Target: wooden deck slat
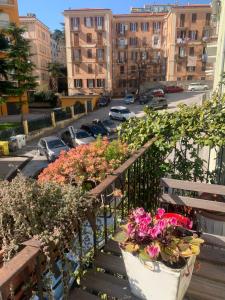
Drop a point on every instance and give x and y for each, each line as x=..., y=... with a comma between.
x=214, y=240
x=109, y=284
x=193, y=186
x=211, y=271
x=111, y=263
x=215, y=256
x=79, y=294
x=112, y=247
x=206, y=289
x=193, y=202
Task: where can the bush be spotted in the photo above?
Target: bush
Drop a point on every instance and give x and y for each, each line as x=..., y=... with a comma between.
x=86, y=164
x=46, y=211
x=46, y=97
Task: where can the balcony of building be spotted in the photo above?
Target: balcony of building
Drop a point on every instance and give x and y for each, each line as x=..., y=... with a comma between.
x=7, y=2
x=105, y=274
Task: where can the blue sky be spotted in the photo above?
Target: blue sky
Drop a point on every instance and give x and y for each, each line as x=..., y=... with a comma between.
x=50, y=11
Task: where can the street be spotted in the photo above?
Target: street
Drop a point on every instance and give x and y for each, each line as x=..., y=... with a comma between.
x=40, y=162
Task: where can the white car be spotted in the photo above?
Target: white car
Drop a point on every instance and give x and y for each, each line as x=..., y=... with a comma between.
x=129, y=99
x=197, y=87
x=121, y=113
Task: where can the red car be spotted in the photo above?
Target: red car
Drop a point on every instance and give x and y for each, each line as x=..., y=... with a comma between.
x=158, y=93
x=173, y=89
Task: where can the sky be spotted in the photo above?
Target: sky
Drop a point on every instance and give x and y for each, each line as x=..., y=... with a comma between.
x=50, y=11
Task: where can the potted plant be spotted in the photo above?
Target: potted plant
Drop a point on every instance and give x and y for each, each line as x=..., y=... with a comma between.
x=159, y=253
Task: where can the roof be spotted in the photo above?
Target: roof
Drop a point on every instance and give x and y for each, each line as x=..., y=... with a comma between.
x=133, y=15
x=33, y=18
x=86, y=9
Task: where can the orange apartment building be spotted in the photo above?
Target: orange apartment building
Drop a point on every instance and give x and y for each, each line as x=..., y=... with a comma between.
x=89, y=50
x=154, y=43
x=39, y=36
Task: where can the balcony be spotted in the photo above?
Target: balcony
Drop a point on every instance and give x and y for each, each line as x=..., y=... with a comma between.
x=106, y=273
x=7, y=2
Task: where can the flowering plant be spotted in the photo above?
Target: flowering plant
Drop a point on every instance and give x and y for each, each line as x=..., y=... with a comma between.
x=164, y=236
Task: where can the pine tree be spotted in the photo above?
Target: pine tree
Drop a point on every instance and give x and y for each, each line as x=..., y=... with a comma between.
x=19, y=64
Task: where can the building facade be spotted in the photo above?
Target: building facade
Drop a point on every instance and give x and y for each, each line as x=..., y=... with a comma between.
x=40, y=40
x=89, y=50
x=154, y=43
x=8, y=13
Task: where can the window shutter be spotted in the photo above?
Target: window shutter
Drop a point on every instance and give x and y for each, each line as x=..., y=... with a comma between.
x=85, y=21
x=136, y=26
x=91, y=22
x=147, y=26
x=96, y=22
x=142, y=26
x=196, y=35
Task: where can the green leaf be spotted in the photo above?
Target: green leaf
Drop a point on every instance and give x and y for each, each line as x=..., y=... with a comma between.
x=120, y=237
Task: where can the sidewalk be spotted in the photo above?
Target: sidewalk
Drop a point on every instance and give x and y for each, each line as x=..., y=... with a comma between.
x=9, y=164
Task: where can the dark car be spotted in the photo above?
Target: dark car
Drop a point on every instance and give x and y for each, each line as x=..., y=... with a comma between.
x=145, y=98
x=107, y=124
x=158, y=103
x=95, y=130
x=103, y=101
x=173, y=89
x=75, y=137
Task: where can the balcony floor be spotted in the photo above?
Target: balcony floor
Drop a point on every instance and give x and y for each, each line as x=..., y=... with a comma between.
x=208, y=283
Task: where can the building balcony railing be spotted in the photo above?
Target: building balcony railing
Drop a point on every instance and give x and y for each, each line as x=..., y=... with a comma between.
x=7, y=2
x=25, y=273
x=4, y=24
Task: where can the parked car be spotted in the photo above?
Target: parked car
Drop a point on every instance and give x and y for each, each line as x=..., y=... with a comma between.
x=74, y=137
x=129, y=98
x=143, y=99
x=173, y=89
x=120, y=113
x=158, y=103
x=158, y=93
x=107, y=124
x=95, y=130
x=51, y=147
x=103, y=101
x=196, y=86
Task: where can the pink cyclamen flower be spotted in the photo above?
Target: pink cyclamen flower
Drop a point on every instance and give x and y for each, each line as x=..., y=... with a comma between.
x=130, y=230
x=139, y=212
x=162, y=224
x=160, y=212
x=173, y=221
x=154, y=232
x=153, y=251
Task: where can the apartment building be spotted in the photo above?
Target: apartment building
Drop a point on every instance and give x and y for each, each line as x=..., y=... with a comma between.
x=8, y=13
x=188, y=30
x=89, y=50
x=153, y=43
x=58, y=51
x=40, y=40
x=138, y=56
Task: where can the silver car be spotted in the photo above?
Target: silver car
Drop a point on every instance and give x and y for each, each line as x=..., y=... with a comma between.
x=158, y=103
x=75, y=137
x=197, y=87
x=51, y=147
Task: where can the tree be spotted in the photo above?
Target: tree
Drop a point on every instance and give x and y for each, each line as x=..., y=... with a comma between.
x=56, y=71
x=20, y=66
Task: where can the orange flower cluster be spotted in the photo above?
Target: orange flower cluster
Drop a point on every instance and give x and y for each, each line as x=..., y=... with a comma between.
x=86, y=163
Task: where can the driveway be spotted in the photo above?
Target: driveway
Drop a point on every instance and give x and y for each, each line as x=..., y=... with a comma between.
x=39, y=162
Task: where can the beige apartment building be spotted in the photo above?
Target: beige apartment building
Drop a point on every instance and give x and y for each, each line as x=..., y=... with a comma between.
x=154, y=43
x=89, y=50
x=40, y=40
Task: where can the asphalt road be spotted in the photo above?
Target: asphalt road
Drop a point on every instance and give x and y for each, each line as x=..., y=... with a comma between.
x=39, y=162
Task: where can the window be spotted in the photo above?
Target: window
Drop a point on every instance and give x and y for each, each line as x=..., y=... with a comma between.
x=144, y=41
x=145, y=26
x=78, y=83
x=76, y=39
x=121, y=56
x=76, y=54
x=205, y=33
x=100, y=54
x=207, y=19
x=133, y=27
x=181, y=52
x=90, y=69
x=100, y=68
x=202, y=78
x=99, y=38
x=133, y=41
x=90, y=83
x=134, y=56
x=75, y=23
x=193, y=35
x=133, y=69
x=144, y=55
x=88, y=22
x=121, y=28
x=89, y=53
x=5, y=20
x=189, y=77
x=182, y=20
x=181, y=34
x=99, y=21
x=155, y=40
x=191, y=69
x=89, y=38
x=100, y=83
x=122, y=83
x=156, y=27
x=121, y=69
x=194, y=18
x=122, y=42
x=191, y=51
x=203, y=66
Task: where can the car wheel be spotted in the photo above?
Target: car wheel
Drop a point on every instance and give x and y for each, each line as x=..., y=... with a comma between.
x=205, y=88
x=111, y=117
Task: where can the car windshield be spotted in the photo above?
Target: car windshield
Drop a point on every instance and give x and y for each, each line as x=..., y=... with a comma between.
x=97, y=130
x=55, y=144
x=129, y=97
x=124, y=111
x=82, y=135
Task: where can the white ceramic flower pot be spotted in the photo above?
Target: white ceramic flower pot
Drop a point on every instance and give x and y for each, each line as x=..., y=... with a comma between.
x=211, y=223
x=155, y=281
